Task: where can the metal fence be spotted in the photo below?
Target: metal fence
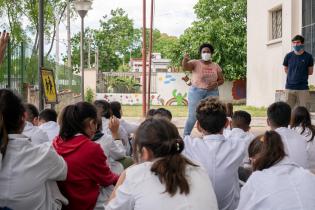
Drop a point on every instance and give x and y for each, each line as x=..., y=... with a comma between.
x=20, y=70
x=123, y=82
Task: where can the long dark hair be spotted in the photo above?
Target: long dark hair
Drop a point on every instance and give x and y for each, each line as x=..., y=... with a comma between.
x=73, y=119
x=302, y=117
x=161, y=137
x=11, y=117
x=267, y=150
x=115, y=106
x=103, y=108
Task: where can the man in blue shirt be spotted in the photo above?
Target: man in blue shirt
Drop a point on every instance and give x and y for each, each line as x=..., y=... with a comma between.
x=298, y=65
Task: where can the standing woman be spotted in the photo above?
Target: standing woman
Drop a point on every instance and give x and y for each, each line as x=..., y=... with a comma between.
x=207, y=76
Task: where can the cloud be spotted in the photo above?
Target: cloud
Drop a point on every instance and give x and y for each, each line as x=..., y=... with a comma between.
x=171, y=16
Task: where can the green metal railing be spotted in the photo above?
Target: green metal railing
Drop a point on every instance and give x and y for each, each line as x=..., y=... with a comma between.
x=20, y=66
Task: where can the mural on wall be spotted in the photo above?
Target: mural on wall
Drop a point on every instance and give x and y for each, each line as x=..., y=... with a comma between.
x=168, y=79
x=239, y=89
x=172, y=89
x=178, y=99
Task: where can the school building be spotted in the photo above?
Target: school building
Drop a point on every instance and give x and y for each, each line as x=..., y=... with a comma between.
x=271, y=26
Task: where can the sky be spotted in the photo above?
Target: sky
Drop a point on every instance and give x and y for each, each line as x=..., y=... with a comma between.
x=171, y=16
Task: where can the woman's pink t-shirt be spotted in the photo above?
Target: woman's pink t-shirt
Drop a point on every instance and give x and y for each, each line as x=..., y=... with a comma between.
x=204, y=74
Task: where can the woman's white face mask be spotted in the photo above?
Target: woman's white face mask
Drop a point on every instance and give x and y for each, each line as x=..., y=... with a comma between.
x=206, y=56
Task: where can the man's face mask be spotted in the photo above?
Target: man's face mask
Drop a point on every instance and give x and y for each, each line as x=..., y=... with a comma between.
x=206, y=56
x=298, y=48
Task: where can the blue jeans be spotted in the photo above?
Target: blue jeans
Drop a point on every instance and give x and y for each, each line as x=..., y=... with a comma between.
x=195, y=95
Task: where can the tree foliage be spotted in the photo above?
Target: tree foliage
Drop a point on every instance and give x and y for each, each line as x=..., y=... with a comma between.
x=19, y=12
x=223, y=24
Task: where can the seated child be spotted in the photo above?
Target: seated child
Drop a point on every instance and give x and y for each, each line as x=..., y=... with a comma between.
x=131, y=128
x=302, y=123
x=31, y=130
x=277, y=182
x=162, y=112
x=47, y=122
x=221, y=157
x=240, y=131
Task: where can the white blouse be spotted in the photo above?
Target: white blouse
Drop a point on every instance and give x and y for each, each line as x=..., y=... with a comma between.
x=294, y=145
x=36, y=135
x=25, y=171
x=284, y=186
x=142, y=190
x=51, y=128
x=114, y=150
x=221, y=158
x=310, y=146
x=122, y=132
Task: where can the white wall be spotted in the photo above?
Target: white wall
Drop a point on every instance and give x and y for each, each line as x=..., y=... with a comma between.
x=170, y=87
x=265, y=72
x=90, y=79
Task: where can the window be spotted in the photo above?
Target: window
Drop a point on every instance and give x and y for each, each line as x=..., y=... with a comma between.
x=308, y=25
x=276, y=24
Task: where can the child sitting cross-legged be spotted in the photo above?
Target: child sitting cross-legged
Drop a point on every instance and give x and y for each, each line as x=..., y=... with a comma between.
x=221, y=157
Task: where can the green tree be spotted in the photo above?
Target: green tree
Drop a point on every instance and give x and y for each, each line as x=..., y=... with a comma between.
x=114, y=39
x=19, y=11
x=222, y=23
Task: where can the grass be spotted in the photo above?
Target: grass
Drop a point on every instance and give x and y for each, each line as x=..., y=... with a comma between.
x=182, y=111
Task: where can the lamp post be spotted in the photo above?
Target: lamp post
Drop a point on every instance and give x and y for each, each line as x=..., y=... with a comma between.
x=82, y=7
x=40, y=52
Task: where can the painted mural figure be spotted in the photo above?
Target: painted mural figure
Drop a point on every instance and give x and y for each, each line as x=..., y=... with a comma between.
x=206, y=77
x=298, y=65
x=180, y=99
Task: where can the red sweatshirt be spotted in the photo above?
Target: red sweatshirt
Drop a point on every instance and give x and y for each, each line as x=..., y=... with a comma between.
x=87, y=171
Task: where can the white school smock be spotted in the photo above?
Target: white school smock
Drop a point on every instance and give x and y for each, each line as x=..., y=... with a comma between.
x=142, y=190
x=237, y=133
x=284, y=186
x=114, y=150
x=122, y=133
x=294, y=145
x=25, y=171
x=36, y=135
x=51, y=128
x=221, y=158
x=130, y=128
x=310, y=146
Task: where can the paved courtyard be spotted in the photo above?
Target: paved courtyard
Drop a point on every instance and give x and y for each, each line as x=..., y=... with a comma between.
x=258, y=125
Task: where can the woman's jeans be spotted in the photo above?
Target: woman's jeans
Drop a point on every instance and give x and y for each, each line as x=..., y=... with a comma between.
x=195, y=95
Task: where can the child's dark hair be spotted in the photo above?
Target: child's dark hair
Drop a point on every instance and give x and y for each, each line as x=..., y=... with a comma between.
x=150, y=113
x=298, y=38
x=74, y=117
x=229, y=109
x=267, y=150
x=32, y=112
x=161, y=137
x=48, y=115
x=115, y=106
x=279, y=114
x=11, y=117
x=302, y=117
x=204, y=45
x=103, y=108
x=211, y=115
x=161, y=112
x=241, y=119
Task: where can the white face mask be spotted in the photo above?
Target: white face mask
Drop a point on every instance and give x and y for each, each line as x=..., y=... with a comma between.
x=206, y=56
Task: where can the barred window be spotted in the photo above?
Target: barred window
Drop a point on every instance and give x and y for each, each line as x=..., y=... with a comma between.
x=276, y=27
x=308, y=25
